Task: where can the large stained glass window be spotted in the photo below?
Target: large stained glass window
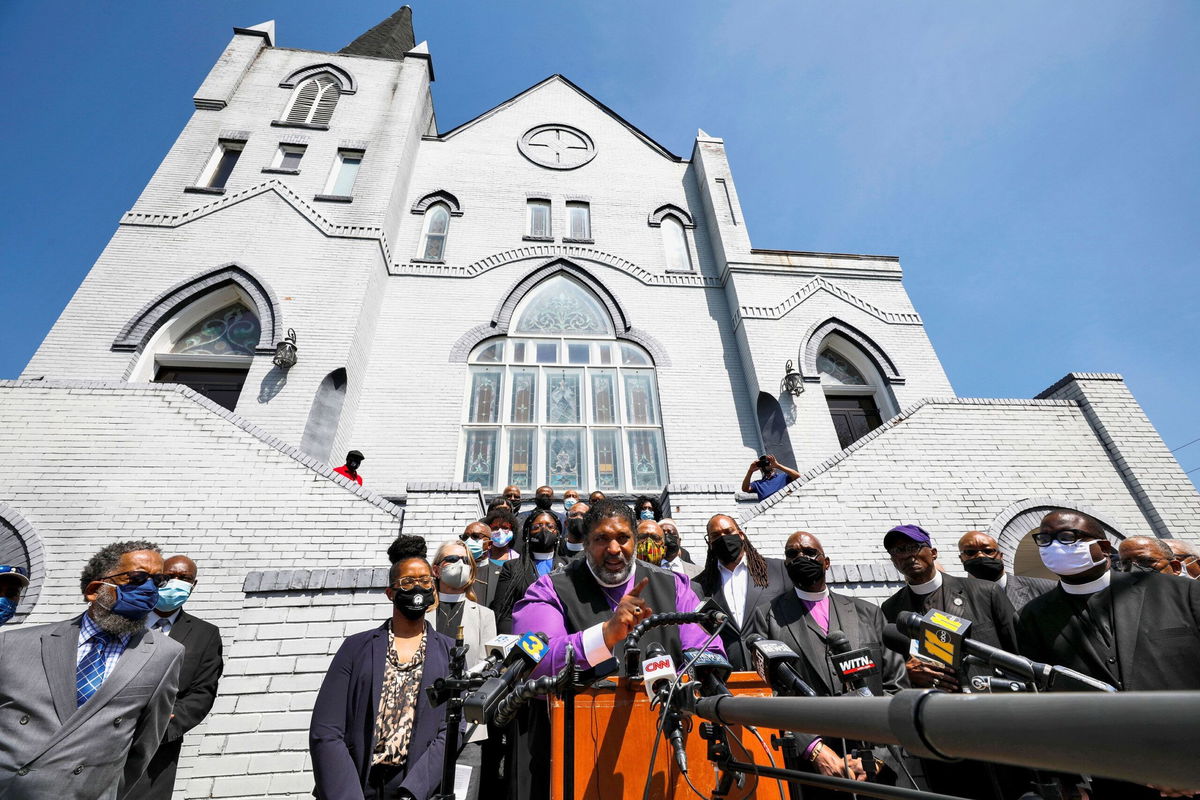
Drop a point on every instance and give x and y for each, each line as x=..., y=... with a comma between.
x=561, y=402
x=232, y=331
x=836, y=367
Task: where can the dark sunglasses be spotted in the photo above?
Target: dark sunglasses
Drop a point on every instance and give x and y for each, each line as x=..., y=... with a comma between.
x=971, y=552
x=1065, y=536
x=137, y=577
x=792, y=553
x=452, y=559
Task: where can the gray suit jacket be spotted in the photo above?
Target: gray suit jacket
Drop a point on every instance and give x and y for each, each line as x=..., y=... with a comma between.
x=692, y=570
x=479, y=628
x=51, y=748
x=1021, y=589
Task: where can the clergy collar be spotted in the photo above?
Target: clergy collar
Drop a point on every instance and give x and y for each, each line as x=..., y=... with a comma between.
x=574, y=547
x=542, y=556
x=812, y=597
x=447, y=597
x=930, y=586
x=1003, y=580
x=1091, y=587
x=609, y=585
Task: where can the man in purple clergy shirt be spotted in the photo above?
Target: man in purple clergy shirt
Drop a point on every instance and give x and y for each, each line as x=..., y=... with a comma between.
x=595, y=601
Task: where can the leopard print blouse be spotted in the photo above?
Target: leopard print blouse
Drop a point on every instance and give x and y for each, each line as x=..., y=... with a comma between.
x=397, y=706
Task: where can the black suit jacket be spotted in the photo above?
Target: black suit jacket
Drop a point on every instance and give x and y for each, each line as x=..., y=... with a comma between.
x=341, y=736
x=708, y=586
x=199, y=674
x=983, y=602
x=509, y=575
x=487, y=581
x=1021, y=589
x=1156, y=625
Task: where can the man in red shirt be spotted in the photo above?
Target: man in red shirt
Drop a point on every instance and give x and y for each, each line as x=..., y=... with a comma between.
x=350, y=469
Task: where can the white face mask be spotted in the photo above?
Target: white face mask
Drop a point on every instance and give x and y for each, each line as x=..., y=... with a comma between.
x=456, y=575
x=575, y=547
x=1068, y=559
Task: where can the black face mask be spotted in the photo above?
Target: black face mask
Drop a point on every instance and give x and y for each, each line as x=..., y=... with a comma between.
x=805, y=572
x=515, y=505
x=671, y=540
x=984, y=568
x=726, y=548
x=575, y=528
x=543, y=502
x=543, y=541
x=414, y=602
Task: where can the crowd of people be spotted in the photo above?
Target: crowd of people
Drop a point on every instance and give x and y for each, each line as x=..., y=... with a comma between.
x=97, y=705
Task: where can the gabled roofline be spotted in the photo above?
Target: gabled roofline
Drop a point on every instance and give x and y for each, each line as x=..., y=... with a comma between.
x=653, y=145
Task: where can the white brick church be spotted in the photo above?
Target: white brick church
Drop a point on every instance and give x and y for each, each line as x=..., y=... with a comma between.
x=541, y=295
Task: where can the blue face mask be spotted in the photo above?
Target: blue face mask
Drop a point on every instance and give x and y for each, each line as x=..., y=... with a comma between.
x=475, y=548
x=8, y=607
x=501, y=537
x=568, y=502
x=135, y=602
x=646, y=514
x=173, y=594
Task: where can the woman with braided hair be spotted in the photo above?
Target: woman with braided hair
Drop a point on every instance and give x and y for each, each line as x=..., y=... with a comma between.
x=737, y=578
x=539, y=556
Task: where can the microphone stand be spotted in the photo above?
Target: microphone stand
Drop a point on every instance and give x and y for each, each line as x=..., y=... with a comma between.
x=450, y=691
x=567, y=692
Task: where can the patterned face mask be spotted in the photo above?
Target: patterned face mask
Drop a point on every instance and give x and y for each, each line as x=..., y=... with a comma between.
x=651, y=551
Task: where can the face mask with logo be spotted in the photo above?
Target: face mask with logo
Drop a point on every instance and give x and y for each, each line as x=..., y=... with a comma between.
x=456, y=575
x=475, y=548
x=805, y=572
x=135, y=602
x=1068, y=559
x=985, y=568
x=414, y=602
x=8, y=607
x=568, y=502
x=726, y=547
x=501, y=537
x=650, y=551
x=173, y=594
x=645, y=513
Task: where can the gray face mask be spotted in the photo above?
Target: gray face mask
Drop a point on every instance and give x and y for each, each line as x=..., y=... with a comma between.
x=456, y=575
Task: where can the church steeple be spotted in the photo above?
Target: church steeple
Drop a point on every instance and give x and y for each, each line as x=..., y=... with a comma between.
x=391, y=38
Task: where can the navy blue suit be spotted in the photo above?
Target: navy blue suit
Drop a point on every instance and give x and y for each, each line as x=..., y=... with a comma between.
x=342, y=734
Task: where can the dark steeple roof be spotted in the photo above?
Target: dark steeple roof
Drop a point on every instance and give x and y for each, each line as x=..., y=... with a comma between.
x=391, y=38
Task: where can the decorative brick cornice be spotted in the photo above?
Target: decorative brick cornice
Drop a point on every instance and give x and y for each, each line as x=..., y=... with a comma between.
x=809, y=289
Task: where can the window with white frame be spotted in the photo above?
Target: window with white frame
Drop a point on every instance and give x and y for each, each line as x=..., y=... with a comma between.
x=433, y=236
x=561, y=401
x=579, y=221
x=675, y=244
x=287, y=157
x=220, y=164
x=313, y=102
x=343, y=174
x=539, y=218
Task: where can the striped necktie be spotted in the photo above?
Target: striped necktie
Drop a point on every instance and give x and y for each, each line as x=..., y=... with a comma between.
x=90, y=672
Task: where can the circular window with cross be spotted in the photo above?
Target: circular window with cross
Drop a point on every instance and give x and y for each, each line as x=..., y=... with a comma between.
x=557, y=146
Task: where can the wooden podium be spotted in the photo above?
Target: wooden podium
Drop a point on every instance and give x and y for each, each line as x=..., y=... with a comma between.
x=614, y=734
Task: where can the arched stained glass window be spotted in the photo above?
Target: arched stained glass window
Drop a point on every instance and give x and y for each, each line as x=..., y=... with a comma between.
x=839, y=369
x=437, y=225
x=232, y=331
x=562, y=306
x=561, y=402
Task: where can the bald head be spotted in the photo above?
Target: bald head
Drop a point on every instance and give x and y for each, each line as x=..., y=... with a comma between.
x=1147, y=553
x=980, y=556
x=805, y=561
x=180, y=567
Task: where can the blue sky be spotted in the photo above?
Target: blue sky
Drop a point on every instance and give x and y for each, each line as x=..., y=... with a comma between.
x=1033, y=164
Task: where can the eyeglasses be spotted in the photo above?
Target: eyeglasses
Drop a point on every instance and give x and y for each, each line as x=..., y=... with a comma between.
x=409, y=583
x=971, y=552
x=1064, y=536
x=542, y=527
x=451, y=559
x=903, y=550
x=792, y=553
x=1138, y=564
x=137, y=577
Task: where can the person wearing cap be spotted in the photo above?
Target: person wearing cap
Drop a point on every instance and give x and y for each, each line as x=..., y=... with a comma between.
x=13, y=582
x=993, y=622
x=349, y=470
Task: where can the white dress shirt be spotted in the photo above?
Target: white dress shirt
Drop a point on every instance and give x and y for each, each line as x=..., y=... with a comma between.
x=734, y=585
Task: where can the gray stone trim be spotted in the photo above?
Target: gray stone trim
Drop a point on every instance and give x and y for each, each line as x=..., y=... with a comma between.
x=311, y=126
x=551, y=251
x=346, y=82
x=37, y=558
x=294, y=138
x=208, y=105
x=167, y=389
x=354, y=144
x=656, y=216
x=438, y=196
x=813, y=254
x=275, y=171
x=313, y=580
x=816, y=335
x=502, y=317
x=833, y=461
x=864, y=572
x=334, y=198
x=231, y=135
x=138, y=330
x=301, y=205
x=1072, y=377
x=815, y=285
x=204, y=190
x=1014, y=510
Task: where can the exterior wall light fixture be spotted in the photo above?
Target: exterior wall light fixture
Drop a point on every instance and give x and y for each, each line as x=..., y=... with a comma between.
x=793, y=382
x=285, y=351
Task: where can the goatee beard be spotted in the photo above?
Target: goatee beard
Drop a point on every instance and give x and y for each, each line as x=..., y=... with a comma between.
x=113, y=624
x=611, y=577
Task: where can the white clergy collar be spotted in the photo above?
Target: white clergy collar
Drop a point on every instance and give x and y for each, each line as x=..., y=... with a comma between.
x=929, y=587
x=542, y=556
x=624, y=582
x=812, y=597
x=446, y=597
x=1091, y=587
x=574, y=547
x=1003, y=581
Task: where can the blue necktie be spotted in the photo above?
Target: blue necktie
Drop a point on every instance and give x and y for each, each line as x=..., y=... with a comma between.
x=90, y=672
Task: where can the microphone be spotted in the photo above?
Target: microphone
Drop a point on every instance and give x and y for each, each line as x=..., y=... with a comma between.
x=659, y=672
x=496, y=649
x=853, y=666
x=529, y=650
x=711, y=669
x=775, y=663
x=990, y=684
